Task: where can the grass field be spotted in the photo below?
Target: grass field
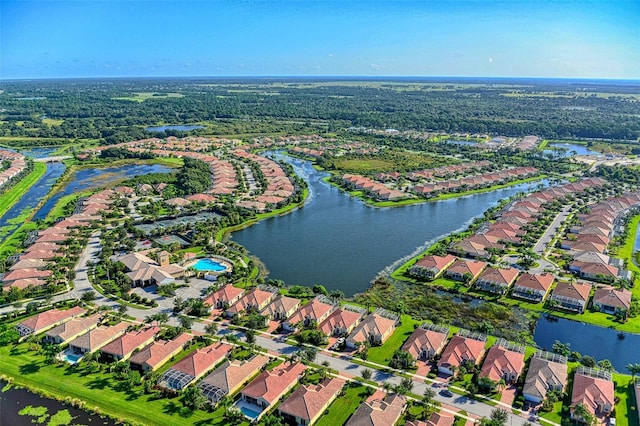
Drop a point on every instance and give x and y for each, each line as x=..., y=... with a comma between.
x=626, y=408
x=99, y=390
x=382, y=354
x=52, y=121
x=342, y=408
x=13, y=195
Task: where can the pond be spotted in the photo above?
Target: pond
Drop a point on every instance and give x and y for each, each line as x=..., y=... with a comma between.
x=471, y=143
x=598, y=342
x=95, y=178
x=340, y=242
x=183, y=128
x=13, y=400
x=568, y=149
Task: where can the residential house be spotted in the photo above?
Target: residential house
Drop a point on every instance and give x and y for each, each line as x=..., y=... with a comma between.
x=463, y=349
x=256, y=300
x=547, y=372
x=307, y=403
x=375, y=328
x=314, y=312
x=571, y=296
x=533, y=287
x=266, y=389
x=230, y=377
x=595, y=271
x=342, y=321
x=47, y=319
x=159, y=352
x=69, y=330
x=97, y=338
x=194, y=366
x=497, y=280
x=379, y=412
x=426, y=341
x=465, y=270
x=224, y=297
x=430, y=267
x=594, y=389
x=504, y=361
x=122, y=348
x=612, y=300
x=435, y=419
x=281, y=308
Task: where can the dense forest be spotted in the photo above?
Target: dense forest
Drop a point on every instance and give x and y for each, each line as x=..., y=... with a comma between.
x=114, y=111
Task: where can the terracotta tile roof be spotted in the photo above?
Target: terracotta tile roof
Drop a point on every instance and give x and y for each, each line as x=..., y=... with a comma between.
x=461, y=349
x=281, y=305
x=384, y=412
x=464, y=266
x=499, y=361
x=98, y=337
x=232, y=374
x=74, y=326
x=502, y=276
x=315, y=310
x=436, y=262
x=271, y=385
x=541, y=282
x=202, y=360
x=309, y=401
x=155, y=354
x=576, y=291
x=48, y=318
x=341, y=319
x=372, y=325
x=421, y=339
x=24, y=283
x=127, y=343
x=29, y=263
x=226, y=294
x=436, y=419
x=18, y=274
x=255, y=298
x=592, y=392
x=615, y=297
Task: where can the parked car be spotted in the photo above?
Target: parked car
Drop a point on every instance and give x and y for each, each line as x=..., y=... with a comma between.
x=446, y=392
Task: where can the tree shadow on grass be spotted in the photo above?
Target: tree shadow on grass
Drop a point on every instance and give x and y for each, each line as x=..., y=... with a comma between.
x=98, y=383
x=172, y=408
x=29, y=368
x=15, y=351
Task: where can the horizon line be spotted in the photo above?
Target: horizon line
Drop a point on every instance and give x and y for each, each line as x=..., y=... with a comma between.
x=340, y=77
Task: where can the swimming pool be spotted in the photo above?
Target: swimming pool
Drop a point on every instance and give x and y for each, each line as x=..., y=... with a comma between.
x=252, y=414
x=70, y=357
x=209, y=265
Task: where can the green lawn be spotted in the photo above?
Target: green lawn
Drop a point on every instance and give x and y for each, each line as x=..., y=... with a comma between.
x=626, y=408
x=382, y=354
x=625, y=252
x=344, y=406
x=99, y=390
x=13, y=194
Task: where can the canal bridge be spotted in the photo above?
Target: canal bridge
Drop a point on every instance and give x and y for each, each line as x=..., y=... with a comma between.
x=56, y=159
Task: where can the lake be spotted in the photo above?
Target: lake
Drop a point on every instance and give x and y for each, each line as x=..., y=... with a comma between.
x=598, y=342
x=96, y=178
x=340, y=242
x=183, y=128
x=14, y=400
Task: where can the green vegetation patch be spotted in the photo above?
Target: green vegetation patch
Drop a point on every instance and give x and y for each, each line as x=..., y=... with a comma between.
x=15, y=193
x=382, y=354
x=342, y=408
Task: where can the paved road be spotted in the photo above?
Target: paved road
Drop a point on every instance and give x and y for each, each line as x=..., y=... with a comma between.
x=274, y=344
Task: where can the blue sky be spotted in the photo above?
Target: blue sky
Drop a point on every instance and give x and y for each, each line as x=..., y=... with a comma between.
x=516, y=38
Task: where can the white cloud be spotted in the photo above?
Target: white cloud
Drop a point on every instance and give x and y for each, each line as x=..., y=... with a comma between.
x=377, y=67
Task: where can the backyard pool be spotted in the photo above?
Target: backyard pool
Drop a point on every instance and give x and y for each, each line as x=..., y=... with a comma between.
x=251, y=411
x=70, y=357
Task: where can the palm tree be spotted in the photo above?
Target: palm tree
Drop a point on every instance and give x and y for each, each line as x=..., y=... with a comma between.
x=581, y=412
x=634, y=369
